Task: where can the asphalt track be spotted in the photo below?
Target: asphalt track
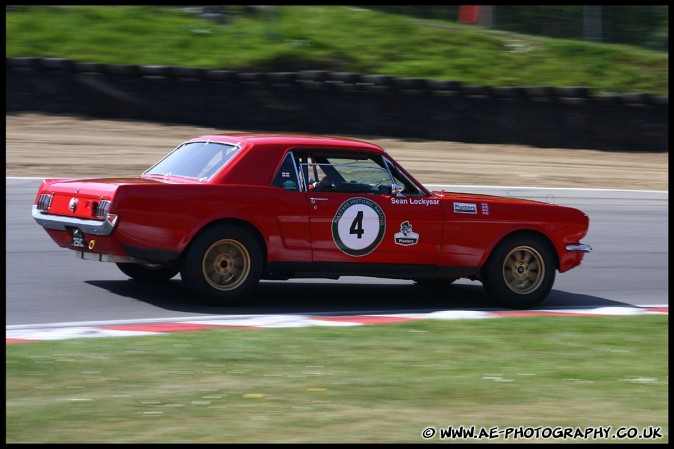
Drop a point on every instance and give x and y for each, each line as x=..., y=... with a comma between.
x=47, y=285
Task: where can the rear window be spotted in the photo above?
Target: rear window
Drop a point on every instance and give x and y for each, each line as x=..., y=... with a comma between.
x=200, y=160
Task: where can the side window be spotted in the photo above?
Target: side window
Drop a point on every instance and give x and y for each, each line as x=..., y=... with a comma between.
x=345, y=172
x=349, y=172
x=286, y=177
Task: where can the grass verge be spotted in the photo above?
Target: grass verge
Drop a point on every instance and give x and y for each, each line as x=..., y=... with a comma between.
x=369, y=384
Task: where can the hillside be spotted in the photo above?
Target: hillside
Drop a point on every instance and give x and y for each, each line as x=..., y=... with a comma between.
x=334, y=38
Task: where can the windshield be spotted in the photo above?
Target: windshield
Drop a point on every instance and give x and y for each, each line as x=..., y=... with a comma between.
x=199, y=160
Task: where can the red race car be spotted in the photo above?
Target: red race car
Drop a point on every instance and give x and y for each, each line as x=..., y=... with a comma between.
x=225, y=211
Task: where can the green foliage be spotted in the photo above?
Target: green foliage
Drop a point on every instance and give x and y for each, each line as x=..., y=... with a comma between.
x=337, y=38
x=645, y=26
x=369, y=384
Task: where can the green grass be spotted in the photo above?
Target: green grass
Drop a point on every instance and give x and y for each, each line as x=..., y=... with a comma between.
x=336, y=38
x=369, y=384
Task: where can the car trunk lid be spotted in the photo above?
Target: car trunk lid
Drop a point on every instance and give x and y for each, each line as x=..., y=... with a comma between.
x=82, y=198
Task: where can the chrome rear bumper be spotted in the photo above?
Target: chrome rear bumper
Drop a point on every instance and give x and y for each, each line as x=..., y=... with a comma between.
x=59, y=223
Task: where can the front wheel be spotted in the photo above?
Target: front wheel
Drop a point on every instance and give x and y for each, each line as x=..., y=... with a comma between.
x=520, y=272
x=223, y=265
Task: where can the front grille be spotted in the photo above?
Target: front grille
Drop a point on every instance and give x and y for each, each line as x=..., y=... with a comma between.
x=102, y=209
x=44, y=201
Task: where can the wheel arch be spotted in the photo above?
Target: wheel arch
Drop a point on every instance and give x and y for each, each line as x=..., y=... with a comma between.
x=234, y=221
x=522, y=233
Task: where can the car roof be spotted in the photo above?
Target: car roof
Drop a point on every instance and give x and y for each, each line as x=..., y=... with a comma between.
x=287, y=140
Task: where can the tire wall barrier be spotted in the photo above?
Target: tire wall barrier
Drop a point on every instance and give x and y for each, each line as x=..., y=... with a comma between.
x=340, y=103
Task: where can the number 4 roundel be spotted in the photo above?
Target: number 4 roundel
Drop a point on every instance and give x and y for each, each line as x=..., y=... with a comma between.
x=359, y=226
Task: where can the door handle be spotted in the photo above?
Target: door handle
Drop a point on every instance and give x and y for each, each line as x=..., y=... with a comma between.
x=314, y=200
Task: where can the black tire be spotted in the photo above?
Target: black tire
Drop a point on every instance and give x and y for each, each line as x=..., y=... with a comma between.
x=520, y=272
x=149, y=272
x=223, y=265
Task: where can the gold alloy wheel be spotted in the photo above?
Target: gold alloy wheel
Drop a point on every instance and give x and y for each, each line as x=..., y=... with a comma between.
x=523, y=269
x=226, y=264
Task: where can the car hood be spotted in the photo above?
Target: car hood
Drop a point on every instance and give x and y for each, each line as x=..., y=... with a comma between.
x=508, y=208
x=456, y=196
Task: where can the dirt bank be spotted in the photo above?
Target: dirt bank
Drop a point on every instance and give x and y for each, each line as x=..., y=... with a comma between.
x=43, y=145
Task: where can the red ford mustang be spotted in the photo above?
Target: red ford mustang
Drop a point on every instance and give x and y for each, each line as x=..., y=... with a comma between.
x=225, y=211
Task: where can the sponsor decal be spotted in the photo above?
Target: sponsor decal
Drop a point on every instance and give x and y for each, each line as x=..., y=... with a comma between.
x=465, y=208
x=358, y=226
x=406, y=236
x=485, y=208
x=289, y=185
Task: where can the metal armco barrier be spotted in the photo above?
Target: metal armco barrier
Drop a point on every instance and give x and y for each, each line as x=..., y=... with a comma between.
x=341, y=103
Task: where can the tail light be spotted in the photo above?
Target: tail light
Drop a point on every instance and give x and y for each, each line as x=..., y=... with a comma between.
x=101, y=212
x=102, y=209
x=43, y=202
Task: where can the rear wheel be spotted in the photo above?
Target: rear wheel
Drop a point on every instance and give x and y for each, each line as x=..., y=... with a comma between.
x=520, y=272
x=223, y=264
x=149, y=272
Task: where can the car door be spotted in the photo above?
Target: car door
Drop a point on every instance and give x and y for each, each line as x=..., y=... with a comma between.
x=355, y=215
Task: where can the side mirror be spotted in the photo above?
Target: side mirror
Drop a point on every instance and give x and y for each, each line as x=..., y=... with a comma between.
x=397, y=189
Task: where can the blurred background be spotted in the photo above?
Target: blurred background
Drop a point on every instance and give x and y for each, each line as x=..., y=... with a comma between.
x=640, y=25
x=571, y=76
x=608, y=48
